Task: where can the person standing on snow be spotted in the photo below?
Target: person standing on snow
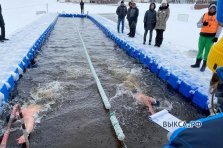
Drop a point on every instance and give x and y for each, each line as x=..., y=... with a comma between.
x=161, y=20
x=134, y=13
x=149, y=22
x=2, y=25
x=121, y=12
x=128, y=14
x=210, y=31
x=82, y=7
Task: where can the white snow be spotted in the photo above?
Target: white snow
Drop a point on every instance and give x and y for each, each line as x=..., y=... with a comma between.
x=177, y=53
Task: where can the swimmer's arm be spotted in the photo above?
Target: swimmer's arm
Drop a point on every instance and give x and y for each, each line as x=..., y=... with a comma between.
x=29, y=124
x=150, y=108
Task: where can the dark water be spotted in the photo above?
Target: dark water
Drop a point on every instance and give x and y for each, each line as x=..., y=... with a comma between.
x=73, y=114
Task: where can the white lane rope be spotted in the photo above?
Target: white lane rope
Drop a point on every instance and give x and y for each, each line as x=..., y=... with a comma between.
x=114, y=121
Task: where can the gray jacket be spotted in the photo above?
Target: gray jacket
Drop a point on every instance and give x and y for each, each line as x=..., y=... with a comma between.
x=161, y=18
x=150, y=20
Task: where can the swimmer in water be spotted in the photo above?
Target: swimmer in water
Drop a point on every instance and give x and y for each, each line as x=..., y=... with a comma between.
x=29, y=117
x=147, y=101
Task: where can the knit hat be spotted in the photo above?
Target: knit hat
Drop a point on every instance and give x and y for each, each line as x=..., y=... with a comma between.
x=215, y=56
x=213, y=4
x=164, y=2
x=122, y=2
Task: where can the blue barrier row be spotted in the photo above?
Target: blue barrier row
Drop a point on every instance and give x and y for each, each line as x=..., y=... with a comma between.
x=9, y=85
x=189, y=92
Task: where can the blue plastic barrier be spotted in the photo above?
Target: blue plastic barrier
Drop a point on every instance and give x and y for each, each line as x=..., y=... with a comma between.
x=11, y=83
x=186, y=90
x=174, y=81
x=137, y=54
x=163, y=74
x=21, y=66
x=148, y=62
x=26, y=62
x=200, y=100
x=154, y=67
x=5, y=91
x=142, y=59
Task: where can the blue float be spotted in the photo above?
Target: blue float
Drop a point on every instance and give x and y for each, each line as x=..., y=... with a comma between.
x=137, y=54
x=25, y=62
x=148, y=62
x=142, y=59
x=21, y=66
x=200, y=100
x=187, y=90
x=5, y=91
x=174, y=81
x=11, y=83
x=132, y=52
x=163, y=74
x=154, y=67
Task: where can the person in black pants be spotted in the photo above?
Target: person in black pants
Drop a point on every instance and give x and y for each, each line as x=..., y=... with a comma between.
x=134, y=13
x=149, y=22
x=82, y=7
x=2, y=25
x=161, y=20
x=128, y=15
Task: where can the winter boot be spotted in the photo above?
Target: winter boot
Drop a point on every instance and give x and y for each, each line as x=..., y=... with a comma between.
x=149, y=43
x=203, y=66
x=197, y=64
x=144, y=42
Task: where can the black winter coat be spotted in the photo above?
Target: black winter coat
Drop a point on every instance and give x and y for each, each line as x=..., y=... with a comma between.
x=121, y=11
x=82, y=5
x=128, y=13
x=150, y=20
x=134, y=13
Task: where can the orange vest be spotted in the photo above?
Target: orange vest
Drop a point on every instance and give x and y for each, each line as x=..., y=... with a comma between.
x=212, y=24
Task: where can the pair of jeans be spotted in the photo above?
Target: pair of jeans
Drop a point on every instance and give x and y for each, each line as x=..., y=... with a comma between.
x=122, y=22
x=150, y=35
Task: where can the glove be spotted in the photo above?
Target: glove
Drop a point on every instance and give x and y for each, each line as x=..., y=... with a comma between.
x=205, y=23
x=215, y=40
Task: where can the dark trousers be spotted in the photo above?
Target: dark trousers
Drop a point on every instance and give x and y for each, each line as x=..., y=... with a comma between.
x=2, y=31
x=129, y=26
x=150, y=35
x=132, y=28
x=82, y=10
x=132, y=31
x=159, y=37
